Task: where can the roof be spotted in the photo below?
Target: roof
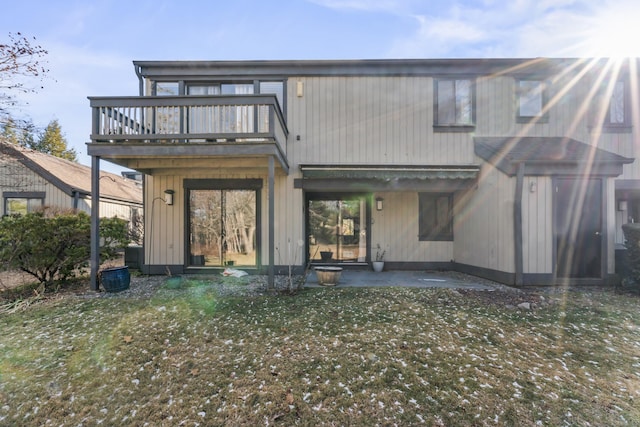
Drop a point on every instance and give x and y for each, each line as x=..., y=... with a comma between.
x=548, y=156
x=372, y=67
x=70, y=176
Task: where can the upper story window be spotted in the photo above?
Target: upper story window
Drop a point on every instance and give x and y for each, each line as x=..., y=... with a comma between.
x=454, y=104
x=172, y=88
x=532, y=98
x=618, y=106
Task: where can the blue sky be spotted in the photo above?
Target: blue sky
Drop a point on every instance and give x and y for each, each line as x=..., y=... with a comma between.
x=92, y=44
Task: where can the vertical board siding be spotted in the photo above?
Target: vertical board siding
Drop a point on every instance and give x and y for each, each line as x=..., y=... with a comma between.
x=370, y=120
x=537, y=230
x=484, y=223
x=166, y=225
x=395, y=229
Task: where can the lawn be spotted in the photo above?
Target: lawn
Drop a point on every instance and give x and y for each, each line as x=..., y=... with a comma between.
x=327, y=356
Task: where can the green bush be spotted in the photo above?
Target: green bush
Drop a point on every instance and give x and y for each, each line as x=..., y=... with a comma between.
x=55, y=247
x=632, y=243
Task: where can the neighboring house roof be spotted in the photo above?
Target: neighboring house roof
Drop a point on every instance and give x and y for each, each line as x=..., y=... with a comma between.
x=548, y=156
x=72, y=177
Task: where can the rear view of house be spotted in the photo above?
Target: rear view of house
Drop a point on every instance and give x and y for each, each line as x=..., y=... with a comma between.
x=518, y=170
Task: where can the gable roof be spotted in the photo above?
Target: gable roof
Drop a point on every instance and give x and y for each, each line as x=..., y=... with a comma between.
x=72, y=177
x=548, y=156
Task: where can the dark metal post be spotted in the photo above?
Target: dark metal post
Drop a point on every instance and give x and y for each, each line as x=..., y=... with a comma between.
x=95, y=221
x=271, y=222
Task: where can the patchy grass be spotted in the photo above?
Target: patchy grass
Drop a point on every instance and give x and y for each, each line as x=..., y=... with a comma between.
x=323, y=357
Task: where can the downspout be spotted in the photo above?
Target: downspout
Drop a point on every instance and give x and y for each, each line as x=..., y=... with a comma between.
x=140, y=80
x=517, y=225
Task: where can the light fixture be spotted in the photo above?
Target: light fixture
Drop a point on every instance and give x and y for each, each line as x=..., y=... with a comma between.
x=532, y=187
x=379, y=203
x=168, y=197
x=622, y=205
x=299, y=89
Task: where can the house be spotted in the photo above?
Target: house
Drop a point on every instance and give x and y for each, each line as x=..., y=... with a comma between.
x=31, y=180
x=518, y=170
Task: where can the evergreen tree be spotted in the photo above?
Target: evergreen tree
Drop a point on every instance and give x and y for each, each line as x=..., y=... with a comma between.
x=9, y=132
x=52, y=142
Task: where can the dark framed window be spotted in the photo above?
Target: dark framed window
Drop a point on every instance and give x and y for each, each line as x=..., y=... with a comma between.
x=531, y=100
x=21, y=203
x=618, y=111
x=454, y=107
x=435, y=216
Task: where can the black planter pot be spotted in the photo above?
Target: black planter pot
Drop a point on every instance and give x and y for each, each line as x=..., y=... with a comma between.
x=326, y=256
x=115, y=279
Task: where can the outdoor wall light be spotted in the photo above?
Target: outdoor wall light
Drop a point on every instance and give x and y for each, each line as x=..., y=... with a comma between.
x=379, y=203
x=532, y=187
x=168, y=197
x=622, y=205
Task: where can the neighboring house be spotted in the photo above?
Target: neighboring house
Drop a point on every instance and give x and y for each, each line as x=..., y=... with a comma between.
x=31, y=180
x=518, y=170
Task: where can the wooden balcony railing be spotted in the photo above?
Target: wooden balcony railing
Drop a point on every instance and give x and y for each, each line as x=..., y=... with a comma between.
x=188, y=119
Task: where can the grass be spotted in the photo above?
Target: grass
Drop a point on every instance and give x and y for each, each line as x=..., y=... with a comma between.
x=334, y=356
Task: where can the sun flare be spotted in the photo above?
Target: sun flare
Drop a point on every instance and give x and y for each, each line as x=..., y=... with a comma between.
x=615, y=32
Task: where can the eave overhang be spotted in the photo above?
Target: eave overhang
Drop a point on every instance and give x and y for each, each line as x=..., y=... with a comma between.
x=387, y=177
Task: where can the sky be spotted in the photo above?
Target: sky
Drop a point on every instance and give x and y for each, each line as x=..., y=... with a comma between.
x=91, y=44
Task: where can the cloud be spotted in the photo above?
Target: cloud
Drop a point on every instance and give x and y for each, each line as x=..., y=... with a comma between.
x=523, y=28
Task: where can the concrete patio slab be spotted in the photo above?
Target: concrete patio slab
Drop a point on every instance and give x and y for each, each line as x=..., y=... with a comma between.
x=410, y=279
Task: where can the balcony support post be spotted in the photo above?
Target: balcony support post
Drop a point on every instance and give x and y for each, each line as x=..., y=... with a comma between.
x=271, y=187
x=95, y=221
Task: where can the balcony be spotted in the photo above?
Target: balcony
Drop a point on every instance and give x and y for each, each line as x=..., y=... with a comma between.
x=153, y=133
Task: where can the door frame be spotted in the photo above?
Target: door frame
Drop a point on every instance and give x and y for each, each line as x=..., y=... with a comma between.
x=222, y=184
x=331, y=195
x=603, y=233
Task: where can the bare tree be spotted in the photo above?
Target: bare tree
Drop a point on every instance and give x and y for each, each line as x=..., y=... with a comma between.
x=21, y=59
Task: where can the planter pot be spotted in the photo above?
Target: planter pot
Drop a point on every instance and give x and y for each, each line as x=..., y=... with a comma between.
x=326, y=256
x=115, y=279
x=328, y=276
x=378, y=266
x=197, y=259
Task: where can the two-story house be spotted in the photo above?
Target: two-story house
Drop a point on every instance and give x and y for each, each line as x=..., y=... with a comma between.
x=518, y=170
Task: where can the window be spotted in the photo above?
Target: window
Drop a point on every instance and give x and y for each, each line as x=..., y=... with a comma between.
x=454, y=103
x=531, y=95
x=167, y=89
x=16, y=203
x=435, y=220
x=616, y=115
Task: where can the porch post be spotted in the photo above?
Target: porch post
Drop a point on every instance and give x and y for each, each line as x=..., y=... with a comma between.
x=271, y=186
x=95, y=221
x=517, y=226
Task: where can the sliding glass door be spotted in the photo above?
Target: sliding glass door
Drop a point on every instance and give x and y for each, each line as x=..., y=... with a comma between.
x=337, y=228
x=222, y=227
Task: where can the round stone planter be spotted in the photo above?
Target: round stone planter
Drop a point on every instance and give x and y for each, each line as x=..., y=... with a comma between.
x=115, y=279
x=328, y=276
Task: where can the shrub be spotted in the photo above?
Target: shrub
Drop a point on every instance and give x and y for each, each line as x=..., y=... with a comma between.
x=54, y=247
x=632, y=243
